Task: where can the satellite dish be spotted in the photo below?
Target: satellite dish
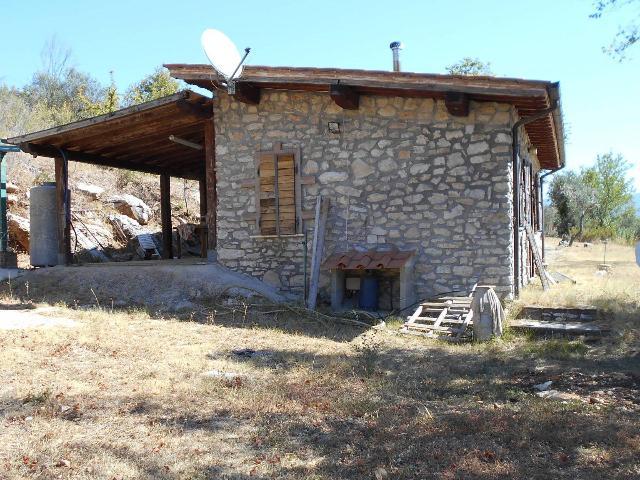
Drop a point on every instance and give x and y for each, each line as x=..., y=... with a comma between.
x=223, y=55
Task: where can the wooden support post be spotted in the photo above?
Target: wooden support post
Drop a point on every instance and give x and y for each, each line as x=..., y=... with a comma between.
x=63, y=210
x=212, y=195
x=165, y=216
x=4, y=227
x=203, y=219
x=322, y=209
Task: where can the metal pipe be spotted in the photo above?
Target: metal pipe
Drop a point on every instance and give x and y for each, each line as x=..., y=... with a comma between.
x=395, y=48
x=515, y=149
x=186, y=143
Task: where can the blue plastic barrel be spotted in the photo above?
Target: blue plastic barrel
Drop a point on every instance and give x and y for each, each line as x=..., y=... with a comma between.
x=368, y=293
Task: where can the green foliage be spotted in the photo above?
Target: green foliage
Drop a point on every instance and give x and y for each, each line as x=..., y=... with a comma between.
x=470, y=66
x=110, y=102
x=573, y=200
x=608, y=177
x=628, y=34
x=595, y=203
x=156, y=85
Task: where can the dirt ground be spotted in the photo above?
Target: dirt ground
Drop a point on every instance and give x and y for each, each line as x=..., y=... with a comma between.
x=125, y=394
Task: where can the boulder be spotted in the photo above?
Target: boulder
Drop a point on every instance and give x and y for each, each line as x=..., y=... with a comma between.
x=12, y=199
x=125, y=228
x=19, y=230
x=12, y=188
x=132, y=207
x=90, y=190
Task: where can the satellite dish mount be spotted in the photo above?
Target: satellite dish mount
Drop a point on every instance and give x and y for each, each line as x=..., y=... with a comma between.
x=224, y=57
x=231, y=84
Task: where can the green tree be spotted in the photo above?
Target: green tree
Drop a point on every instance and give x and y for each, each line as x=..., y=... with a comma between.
x=470, y=66
x=59, y=88
x=156, y=85
x=110, y=102
x=574, y=201
x=628, y=34
x=614, y=191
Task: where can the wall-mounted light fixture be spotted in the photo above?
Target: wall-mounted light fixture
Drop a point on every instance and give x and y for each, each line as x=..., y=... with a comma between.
x=333, y=127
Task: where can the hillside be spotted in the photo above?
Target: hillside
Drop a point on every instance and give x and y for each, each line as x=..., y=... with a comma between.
x=90, y=215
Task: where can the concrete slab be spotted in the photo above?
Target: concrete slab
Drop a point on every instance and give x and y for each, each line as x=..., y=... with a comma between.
x=10, y=273
x=22, y=319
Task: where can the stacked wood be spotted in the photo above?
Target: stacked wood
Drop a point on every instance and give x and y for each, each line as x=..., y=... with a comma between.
x=446, y=316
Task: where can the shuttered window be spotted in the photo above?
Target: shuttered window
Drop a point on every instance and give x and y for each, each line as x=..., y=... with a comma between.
x=278, y=192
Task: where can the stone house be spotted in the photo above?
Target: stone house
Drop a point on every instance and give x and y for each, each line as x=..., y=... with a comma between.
x=425, y=176
x=418, y=168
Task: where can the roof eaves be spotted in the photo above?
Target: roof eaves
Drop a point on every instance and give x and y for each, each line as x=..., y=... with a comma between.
x=20, y=139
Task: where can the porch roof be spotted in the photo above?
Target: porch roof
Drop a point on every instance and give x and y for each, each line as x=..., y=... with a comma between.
x=528, y=96
x=133, y=138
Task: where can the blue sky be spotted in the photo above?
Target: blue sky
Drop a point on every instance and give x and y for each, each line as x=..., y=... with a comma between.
x=542, y=39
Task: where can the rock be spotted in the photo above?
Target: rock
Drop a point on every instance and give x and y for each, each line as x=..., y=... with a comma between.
x=126, y=228
x=331, y=177
x=272, y=278
x=183, y=306
x=132, y=207
x=476, y=148
x=90, y=190
x=12, y=188
x=12, y=199
x=361, y=169
x=19, y=230
x=560, y=396
x=542, y=387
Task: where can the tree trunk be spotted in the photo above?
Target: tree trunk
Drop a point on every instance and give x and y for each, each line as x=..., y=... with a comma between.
x=578, y=234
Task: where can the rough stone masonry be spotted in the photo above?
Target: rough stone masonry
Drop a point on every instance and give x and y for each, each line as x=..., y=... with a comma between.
x=401, y=172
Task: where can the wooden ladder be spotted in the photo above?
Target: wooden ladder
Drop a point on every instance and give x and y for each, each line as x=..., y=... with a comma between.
x=443, y=317
x=545, y=278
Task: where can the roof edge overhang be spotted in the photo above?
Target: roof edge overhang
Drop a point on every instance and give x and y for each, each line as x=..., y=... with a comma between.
x=123, y=112
x=134, y=138
x=528, y=96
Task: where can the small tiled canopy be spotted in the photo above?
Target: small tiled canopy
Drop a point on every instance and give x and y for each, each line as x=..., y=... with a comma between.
x=369, y=260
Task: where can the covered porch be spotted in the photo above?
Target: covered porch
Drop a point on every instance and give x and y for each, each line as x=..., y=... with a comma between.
x=170, y=137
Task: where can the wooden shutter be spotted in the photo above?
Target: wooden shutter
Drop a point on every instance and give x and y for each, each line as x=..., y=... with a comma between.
x=277, y=191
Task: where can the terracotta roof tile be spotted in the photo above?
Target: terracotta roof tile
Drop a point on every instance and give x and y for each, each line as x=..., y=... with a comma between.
x=371, y=260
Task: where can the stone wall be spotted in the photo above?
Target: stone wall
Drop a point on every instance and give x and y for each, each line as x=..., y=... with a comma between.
x=401, y=172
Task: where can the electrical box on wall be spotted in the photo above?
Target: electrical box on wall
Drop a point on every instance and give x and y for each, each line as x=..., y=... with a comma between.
x=352, y=283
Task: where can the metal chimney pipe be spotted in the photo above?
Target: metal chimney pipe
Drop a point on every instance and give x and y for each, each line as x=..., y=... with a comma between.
x=395, y=48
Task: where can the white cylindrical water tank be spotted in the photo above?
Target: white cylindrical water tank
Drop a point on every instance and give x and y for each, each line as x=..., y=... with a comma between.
x=43, y=242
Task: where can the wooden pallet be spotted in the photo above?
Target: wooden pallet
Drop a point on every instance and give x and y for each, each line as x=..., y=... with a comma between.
x=445, y=317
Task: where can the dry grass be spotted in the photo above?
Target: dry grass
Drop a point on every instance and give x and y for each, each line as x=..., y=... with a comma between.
x=123, y=396
x=616, y=295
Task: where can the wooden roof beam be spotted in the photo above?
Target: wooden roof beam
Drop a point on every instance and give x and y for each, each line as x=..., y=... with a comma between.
x=345, y=96
x=52, y=152
x=457, y=103
x=247, y=93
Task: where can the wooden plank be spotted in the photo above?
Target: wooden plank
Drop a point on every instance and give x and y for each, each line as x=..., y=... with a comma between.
x=322, y=210
x=466, y=322
x=537, y=257
x=63, y=210
x=415, y=315
x=203, y=218
x=165, y=216
x=298, y=191
x=440, y=317
x=110, y=117
x=211, y=184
